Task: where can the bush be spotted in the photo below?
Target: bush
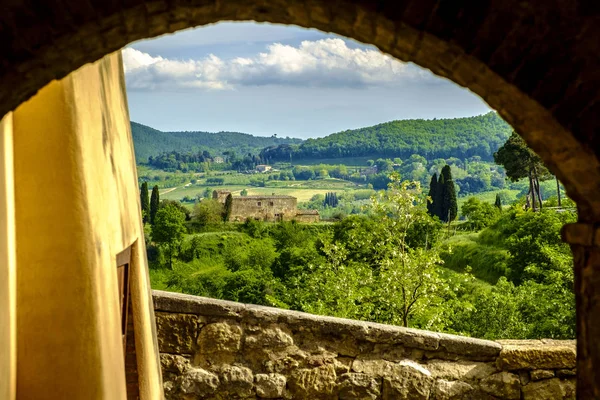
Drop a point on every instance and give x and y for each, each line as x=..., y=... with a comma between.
x=479, y=214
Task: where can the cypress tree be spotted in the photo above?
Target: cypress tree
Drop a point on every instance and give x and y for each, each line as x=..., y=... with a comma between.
x=227, y=208
x=438, y=202
x=433, y=185
x=154, y=203
x=145, y=202
x=449, y=204
x=498, y=202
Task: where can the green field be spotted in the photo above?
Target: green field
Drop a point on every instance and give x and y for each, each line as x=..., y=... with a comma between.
x=347, y=161
x=490, y=197
x=302, y=190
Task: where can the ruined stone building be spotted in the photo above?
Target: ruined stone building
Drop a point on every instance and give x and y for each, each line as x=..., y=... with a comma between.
x=265, y=208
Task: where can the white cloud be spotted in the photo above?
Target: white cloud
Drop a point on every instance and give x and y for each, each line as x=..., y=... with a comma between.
x=321, y=63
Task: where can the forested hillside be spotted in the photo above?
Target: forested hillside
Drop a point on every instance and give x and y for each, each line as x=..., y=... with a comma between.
x=438, y=138
x=152, y=142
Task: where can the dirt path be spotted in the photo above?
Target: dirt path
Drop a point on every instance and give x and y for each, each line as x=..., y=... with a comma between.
x=169, y=190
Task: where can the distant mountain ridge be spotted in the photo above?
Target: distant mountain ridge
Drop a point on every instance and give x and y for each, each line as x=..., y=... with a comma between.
x=152, y=142
x=481, y=136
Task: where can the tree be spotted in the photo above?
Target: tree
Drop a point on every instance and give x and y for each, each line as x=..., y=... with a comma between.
x=207, y=212
x=154, y=204
x=433, y=187
x=407, y=282
x=331, y=199
x=449, y=208
x=168, y=229
x=520, y=161
x=244, y=192
x=498, y=202
x=438, y=202
x=479, y=214
x=227, y=208
x=145, y=202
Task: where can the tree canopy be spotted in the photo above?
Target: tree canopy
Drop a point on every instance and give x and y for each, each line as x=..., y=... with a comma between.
x=437, y=138
x=152, y=142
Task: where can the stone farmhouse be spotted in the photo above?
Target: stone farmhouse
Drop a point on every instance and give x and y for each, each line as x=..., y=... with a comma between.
x=265, y=208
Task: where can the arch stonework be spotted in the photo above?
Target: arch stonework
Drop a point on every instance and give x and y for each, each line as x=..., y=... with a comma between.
x=536, y=62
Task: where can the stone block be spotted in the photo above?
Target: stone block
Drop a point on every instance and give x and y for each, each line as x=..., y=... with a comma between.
x=452, y=390
x=200, y=382
x=503, y=384
x=536, y=355
x=174, y=363
x=237, y=381
x=566, y=373
x=271, y=339
x=411, y=381
x=460, y=370
x=219, y=343
x=467, y=346
x=358, y=386
x=308, y=383
x=176, y=333
x=270, y=386
x=539, y=374
x=549, y=389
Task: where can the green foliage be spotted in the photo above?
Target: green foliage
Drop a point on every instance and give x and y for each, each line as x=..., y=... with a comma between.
x=517, y=158
x=145, y=202
x=447, y=195
x=244, y=192
x=432, y=195
x=154, y=204
x=227, y=207
x=443, y=196
x=468, y=253
x=168, y=228
x=438, y=138
x=480, y=214
x=407, y=280
x=207, y=212
x=151, y=142
x=514, y=279
x=498, y=202
x=178, y=205
x=331, y=200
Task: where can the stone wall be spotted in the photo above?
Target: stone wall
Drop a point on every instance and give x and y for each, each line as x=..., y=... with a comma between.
x=213, y=349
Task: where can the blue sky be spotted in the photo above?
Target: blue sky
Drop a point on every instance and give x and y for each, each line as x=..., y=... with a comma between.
x=270, y=79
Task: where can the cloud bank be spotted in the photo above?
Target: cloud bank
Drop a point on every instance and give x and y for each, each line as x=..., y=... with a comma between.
x=321, y=63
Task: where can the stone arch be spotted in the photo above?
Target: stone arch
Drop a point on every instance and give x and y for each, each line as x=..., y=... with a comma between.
x=534, y=61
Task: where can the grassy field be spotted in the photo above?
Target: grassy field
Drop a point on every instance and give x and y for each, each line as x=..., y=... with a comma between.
x=487, y=261
x=302, y=190
x=490, y=197
x=348, y=161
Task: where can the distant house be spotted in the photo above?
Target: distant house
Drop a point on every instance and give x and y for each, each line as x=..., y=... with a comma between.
x=369, y=170
x=266, y=208
x=218, y=160
x=263, y=168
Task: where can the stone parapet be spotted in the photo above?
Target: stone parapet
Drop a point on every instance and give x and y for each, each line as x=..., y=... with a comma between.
x=215, y=349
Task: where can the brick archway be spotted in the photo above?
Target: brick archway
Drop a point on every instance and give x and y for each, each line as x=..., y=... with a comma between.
x=535, y=61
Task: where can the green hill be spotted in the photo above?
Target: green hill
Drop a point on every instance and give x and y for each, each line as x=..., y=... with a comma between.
x=437, y=138
x=152, y=142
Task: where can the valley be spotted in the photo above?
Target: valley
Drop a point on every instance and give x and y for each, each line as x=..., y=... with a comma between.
x=491, y=270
